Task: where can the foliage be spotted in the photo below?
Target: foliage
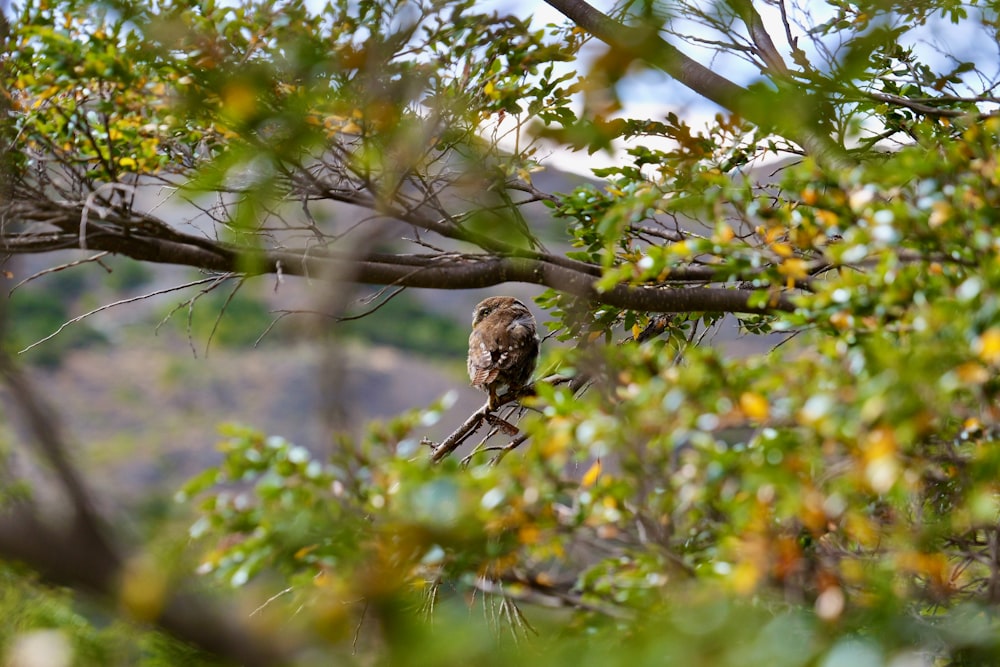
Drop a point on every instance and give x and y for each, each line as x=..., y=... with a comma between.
x=429, y=333
x=829, y=499
x=39, y=618
x=126, y=274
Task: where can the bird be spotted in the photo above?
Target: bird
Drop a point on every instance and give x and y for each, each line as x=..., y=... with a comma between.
x=503, y=347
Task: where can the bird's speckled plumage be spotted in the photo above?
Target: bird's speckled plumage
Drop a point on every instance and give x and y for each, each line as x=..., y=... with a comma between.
x=503, y=347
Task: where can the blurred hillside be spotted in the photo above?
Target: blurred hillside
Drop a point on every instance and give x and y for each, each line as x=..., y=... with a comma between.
x=143, y=386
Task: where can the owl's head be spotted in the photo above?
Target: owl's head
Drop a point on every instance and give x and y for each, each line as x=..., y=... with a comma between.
x=507, y=304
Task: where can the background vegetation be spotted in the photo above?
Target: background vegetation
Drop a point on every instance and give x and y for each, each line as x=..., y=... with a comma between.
x=829, y=499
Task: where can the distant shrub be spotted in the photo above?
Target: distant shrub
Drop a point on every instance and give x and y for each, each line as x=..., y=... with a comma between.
x=36, y=312
x=408, y=324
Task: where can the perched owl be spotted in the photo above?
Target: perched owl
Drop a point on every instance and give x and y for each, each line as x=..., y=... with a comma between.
x=503, y=347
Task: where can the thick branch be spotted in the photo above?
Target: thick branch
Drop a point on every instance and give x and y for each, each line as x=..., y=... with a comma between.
x=158, y=243
x=759, y=36
x=444, y=272
x=645, y=44
x=43, y=425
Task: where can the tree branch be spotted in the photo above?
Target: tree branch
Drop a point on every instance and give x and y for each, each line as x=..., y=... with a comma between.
x=644, y=43
x=157, y=242
x=82, y=553
x=759, y=36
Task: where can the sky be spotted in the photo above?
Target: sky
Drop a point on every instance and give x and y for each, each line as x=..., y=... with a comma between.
x=642, y=93
x=652, y=94
x=639, y=95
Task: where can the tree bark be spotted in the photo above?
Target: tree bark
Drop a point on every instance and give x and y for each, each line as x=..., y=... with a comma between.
x=685, y=290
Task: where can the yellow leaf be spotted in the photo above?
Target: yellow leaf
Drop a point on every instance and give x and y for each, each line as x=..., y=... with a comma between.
x=862, y=528
x=931, y=565
x=827, y=218
x=529, y=534
x=591, y=475
x=545, y=579
x=556, y=444
x=636, y=330
x=679, y=248
x=723, y=234
x=988, y=346
x=842, y=320
x=972, y=372
x=881, y=464
x=304, y=551
x=941, y=212
x=771, y=234
x=143, y=588
x=745, y=577
x=794, y=268
x=754, y=406
x=239, y=100
x=782, y=249
x=879, y=442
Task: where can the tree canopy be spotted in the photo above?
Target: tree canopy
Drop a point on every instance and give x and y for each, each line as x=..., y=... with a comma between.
x=830, y=499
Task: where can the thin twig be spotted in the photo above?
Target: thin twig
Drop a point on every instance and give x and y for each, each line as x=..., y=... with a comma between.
x=509, y=447
x=549, y=597
x=452, y=442
x=62, y=267
x=271, y=599
x=357, y=630
x=281, y=315
x=222, y=311
x=120, y=302
x=216, y=281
